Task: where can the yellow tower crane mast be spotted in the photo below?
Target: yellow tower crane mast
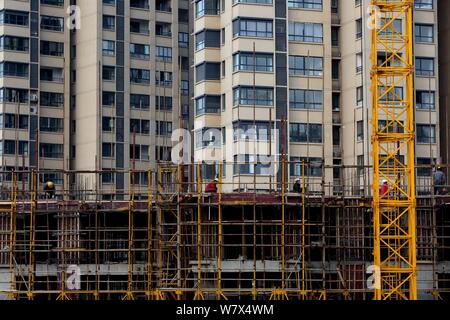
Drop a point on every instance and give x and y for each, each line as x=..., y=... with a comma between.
x=393, y=142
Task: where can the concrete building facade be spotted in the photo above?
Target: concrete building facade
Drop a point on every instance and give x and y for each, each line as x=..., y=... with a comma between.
x=311, y=81
x=104, y=94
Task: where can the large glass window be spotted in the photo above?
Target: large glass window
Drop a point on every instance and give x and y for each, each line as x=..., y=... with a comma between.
x=426, y=133
x=306, y=4
x=306, y=133
x=306, y=32
x=253, y=96
x=248, y=61
x=252, y=28
x=305, y=99
x=305, y=66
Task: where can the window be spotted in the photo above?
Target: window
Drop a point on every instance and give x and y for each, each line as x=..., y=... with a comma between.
x=336, y=101
x=260, y=96
x=52, y=74
x=359, y=62
x=206, y=7
x=164, y=53
x=109, y=73
x=19, y=18
x=163, y=29
x=109, y=22
x=139, y=26
x=306, y=32
x=164, y=103
x=425, y=167
x=13, y=94
x=183, y=39
x=184, y=87
x=207, y=104
x=208, y=137
x=335, y=36
x=426, y=133
x=140, y=126
x=305, y=133
x=246, y=164
x=312, y=167
x=208, y=71
x=54, y=125
x=52, y=23
x=108, y=48
x=393, y=96
x=305, y=66
x=139, y=101
x=163, y=128
x=52, y=99
x=394, y=28
x=10, y=146
x=425, y=66
x=306, y=4
x=360, y=131
x=163, y=78
x=305, y=99
x=207, y=39
x=140, y=51
x=424, y=33
x=423, y=4
x=108, y=99
x=51, y=48
x=108, y=150
x=14, y=43
x=359, y=29
x=252, y=28
x=141, y=76
x=335, y=69
x=49, y=150
x=13, y=69
x=359, y=96
x=107, y=124
x=13, y=121
x=425, y=100
x=246, y=130
x=247, y=61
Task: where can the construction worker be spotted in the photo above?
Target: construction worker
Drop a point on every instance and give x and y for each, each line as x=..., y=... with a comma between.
x=49, y=190
x=439, y=182
x=384, y=189
x=297, y=186
x=212, y=186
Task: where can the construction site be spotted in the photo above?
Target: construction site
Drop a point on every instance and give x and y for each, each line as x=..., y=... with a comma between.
x=377, y=232
x=173, y=241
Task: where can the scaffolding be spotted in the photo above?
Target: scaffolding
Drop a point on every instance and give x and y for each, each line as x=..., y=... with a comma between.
x=168, y=239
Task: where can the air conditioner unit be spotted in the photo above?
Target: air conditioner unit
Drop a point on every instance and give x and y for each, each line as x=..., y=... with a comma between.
x=33, y=110
x=34, y=97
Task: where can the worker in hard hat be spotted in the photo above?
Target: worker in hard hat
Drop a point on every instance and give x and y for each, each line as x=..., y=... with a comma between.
x=384, y=189
x=297, y=186
x=439, y=182
x=212, y=186
x=49, y=190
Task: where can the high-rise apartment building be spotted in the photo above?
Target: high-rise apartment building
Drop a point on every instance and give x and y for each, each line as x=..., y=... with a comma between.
x=132, y=85
x=95, y=87
x=34, y=86
x=303, y=68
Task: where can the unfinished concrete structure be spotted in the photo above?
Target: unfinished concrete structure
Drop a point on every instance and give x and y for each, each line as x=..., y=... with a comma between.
x=174, y=241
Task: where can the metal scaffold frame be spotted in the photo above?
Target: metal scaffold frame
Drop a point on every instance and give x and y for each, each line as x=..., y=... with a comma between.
x=169, y=239
x=394, y=211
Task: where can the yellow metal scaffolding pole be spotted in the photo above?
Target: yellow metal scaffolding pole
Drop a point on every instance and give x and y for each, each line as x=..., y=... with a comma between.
x=129, y=295
x=199, y=292
x=395, y=211
x=12, y=237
